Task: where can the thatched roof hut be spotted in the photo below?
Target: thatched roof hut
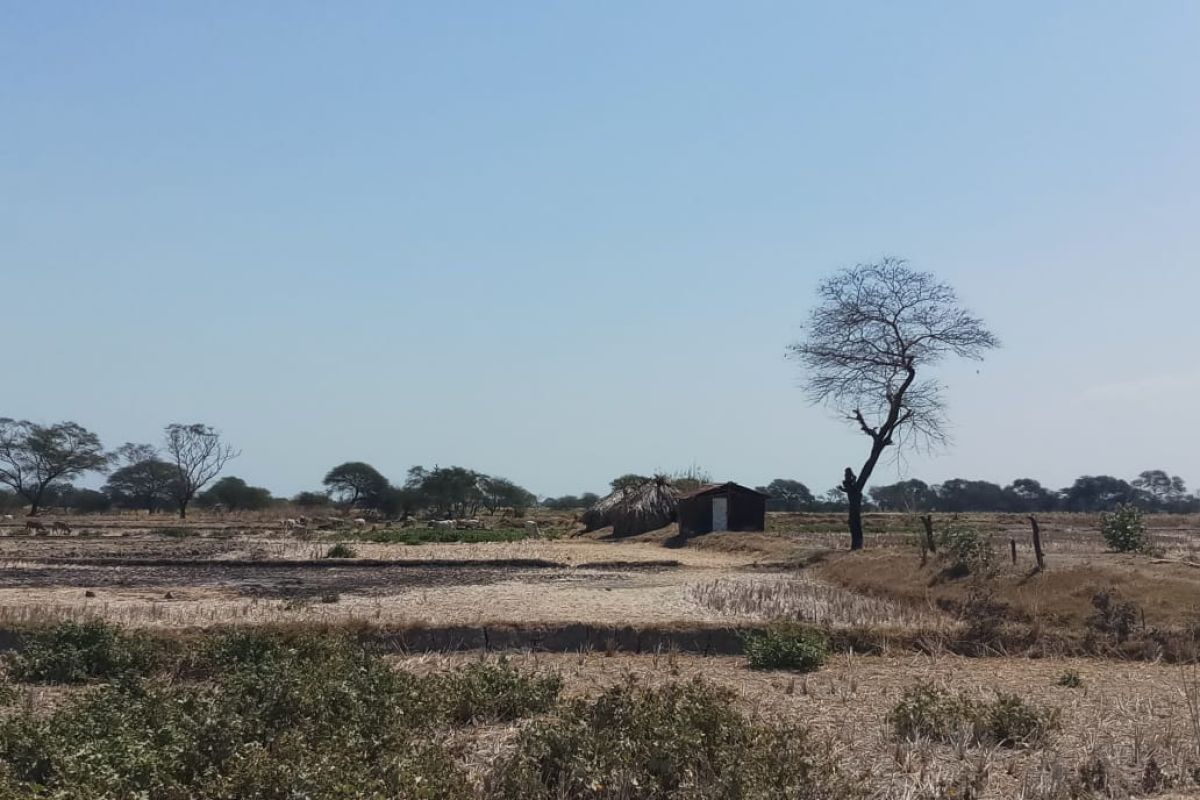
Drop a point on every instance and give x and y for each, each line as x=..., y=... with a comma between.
x=636, y=509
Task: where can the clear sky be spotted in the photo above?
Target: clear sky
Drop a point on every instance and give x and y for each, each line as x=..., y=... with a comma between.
x=563, y=241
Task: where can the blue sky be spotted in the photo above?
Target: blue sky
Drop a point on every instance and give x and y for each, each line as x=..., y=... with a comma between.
x=559, y=242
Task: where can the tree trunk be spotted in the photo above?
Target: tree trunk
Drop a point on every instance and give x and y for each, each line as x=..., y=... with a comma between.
x=854, y=501
x=1037, y=543
x=183, y=509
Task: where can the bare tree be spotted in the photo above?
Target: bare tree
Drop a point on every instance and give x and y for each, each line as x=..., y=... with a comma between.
x=876, y=328
x=198, y=455
x=33, y=456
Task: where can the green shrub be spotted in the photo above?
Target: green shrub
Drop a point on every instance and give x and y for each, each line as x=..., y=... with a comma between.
x=969, y=550
x=1009, y=721
x=787, y=647
x=929, y=712
x=72, y=652
x=494, y=692
x=309, y=716
x=341, y=550
x=679, y=741
x=1124, y=530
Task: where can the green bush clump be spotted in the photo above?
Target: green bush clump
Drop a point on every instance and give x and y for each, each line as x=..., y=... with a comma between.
x=968, y=549
x=928, y=712
x=679, y=741
x=264, y=716
x=787, y=647
x=494, y=692
x=341, y=550
x=1124, y=530
x=73, y=652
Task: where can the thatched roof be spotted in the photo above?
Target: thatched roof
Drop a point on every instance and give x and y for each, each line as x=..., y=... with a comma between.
x=636, y=509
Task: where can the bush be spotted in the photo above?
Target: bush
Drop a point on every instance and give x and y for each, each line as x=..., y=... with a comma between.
x=278, y=717
x=1070, y=679
x=73, y=652
x=1124, y=530
x=787, y=647
x=494, y=692
x=341, y=550
x=678, y=741
x=968, y=549
x=929, y=712
x=1112, y=617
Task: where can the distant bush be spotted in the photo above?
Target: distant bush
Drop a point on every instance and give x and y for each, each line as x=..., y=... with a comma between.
x=73, y=652
x=929, y=712
x=341, y=550
x=787, y=647
x=968, y=549
x=1124, y=530
x=678, y=741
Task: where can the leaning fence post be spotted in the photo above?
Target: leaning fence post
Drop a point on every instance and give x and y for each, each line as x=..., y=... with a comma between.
x=1037, y=542
x=927, y=521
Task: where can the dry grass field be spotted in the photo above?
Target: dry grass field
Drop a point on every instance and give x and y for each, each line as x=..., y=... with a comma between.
x=1130, y=728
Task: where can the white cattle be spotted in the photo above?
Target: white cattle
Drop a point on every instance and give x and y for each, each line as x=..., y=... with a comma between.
x=360, y=522
x=8, y=517
x=442, y=523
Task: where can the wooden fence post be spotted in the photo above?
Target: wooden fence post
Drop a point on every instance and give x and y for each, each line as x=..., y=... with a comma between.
x=927, y=521
x=1012, y=542
x=1037, y=543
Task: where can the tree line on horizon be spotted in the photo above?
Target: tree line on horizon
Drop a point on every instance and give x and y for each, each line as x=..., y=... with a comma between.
x=39, y=462
x=1152, y=490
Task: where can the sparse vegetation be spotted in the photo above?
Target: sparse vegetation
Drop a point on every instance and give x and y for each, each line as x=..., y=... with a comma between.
x=679, y=741
x=415, y=536
x=929, y=712
x=341, y=550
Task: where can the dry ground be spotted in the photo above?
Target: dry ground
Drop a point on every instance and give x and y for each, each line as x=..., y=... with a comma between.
x=1124, y=715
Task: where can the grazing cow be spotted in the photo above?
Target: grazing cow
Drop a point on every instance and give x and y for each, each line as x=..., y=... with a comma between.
x=34, y=526
x=8, y=517
x=58, y=526
x=442, y=523
x=360, y=522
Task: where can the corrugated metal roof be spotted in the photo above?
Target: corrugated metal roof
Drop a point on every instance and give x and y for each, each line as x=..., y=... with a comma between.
x=710, y=488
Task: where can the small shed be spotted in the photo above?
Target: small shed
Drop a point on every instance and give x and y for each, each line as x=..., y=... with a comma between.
x=722, y=507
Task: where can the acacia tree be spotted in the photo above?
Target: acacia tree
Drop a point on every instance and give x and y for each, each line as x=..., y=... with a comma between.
x=32, y=456
x=354, y=481
x=198, y=455
x=872, y=337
